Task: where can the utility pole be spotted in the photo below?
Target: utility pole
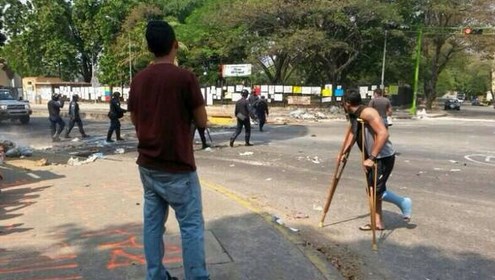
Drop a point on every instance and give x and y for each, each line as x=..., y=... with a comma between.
x=382, y=85
x=416, y=72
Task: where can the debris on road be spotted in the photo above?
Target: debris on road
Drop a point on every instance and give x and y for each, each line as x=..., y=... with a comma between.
x=300, y=215
x=316, y=160
x=119, y=151
x=277, y=220
x=42, y=162
x=317, y=207
x=74, y=161
x=246, y=154
x=13, y=150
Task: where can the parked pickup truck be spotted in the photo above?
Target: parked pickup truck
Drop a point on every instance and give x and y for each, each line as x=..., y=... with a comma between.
x=12, y=108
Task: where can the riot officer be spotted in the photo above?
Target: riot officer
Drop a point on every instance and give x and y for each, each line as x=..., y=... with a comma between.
x=74, y=117
x=116, y=112
x=54, y=106
x=242, y=114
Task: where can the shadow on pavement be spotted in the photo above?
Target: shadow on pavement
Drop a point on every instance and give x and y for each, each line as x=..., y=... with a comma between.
x=14, y=198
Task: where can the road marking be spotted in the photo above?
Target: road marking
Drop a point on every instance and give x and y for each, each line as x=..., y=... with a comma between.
x=481, y=159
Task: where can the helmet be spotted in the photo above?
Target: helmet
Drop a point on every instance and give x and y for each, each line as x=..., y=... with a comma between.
x=244, y=93
x=56, y=96
x=75, y=97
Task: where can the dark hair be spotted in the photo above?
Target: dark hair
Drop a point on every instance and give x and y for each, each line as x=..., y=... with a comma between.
x=160, y=37
x=244, y=92
x=352, y=97
x=116, y=94
x=378, y=92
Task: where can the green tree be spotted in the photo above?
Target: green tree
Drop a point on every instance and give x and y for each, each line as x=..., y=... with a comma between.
x=443, y=22
x=319, y=40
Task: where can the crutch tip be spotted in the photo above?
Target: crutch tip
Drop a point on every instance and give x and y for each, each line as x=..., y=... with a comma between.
x=321, y=224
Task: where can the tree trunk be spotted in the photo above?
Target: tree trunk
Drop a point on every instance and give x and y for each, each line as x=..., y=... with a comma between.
x=86, y=69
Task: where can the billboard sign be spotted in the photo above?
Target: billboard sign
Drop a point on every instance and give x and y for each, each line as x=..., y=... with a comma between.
x=236, y=70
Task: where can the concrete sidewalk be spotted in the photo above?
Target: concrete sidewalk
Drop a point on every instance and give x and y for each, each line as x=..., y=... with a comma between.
x=85, y=222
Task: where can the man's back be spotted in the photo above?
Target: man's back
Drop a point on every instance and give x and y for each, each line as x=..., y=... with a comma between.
x=162, y=99
x=241, y=106
x=381, y=104
x=53, y=109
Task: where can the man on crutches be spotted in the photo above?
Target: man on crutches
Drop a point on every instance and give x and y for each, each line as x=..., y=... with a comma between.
x=371, y=135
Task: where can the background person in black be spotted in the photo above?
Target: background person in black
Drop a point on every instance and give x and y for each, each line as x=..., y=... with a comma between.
x=261, y=107
x=242, y=114
x=252, y=100
x=202, y=136
x=115, y=114
x=54, y=107
x=74, y=117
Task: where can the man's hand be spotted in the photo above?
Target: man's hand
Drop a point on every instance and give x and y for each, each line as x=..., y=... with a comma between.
x=368, y=164
x=341, y=158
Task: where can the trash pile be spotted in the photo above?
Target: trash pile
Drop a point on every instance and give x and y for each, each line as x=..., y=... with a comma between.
x=303, y=114
x=74, y=161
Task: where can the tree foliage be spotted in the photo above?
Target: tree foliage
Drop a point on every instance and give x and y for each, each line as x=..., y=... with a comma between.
x=311, y=42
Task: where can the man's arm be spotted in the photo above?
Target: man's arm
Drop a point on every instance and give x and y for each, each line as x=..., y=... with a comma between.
x=348, y=142
x=200, y=117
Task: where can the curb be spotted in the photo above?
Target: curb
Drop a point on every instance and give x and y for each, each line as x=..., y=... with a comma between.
x=316, y=258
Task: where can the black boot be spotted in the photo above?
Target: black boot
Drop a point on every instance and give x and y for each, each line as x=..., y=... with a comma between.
x=248, y=136
x=117, y=133
x=109, y=136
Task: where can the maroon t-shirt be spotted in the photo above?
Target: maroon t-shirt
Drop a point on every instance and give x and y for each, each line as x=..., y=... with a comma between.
x=162, y=99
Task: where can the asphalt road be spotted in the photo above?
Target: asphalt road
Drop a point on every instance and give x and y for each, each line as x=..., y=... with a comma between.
x=445, y=165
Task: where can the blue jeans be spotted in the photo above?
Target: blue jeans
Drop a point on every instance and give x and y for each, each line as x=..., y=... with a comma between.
x=182, y=192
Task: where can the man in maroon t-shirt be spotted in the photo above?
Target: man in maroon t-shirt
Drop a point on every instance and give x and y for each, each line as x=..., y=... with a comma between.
x=164, y=100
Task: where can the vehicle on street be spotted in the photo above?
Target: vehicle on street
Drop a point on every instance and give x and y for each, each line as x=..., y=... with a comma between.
x=452, y=104
x=461, y=97
x=13, y=109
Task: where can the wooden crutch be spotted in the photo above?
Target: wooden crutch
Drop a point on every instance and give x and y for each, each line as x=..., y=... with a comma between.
x=370, y=191
x=336, y=177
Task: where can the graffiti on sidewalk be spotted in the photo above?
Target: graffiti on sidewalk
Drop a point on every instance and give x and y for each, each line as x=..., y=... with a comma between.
x=113, y=248
x=58, y=262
